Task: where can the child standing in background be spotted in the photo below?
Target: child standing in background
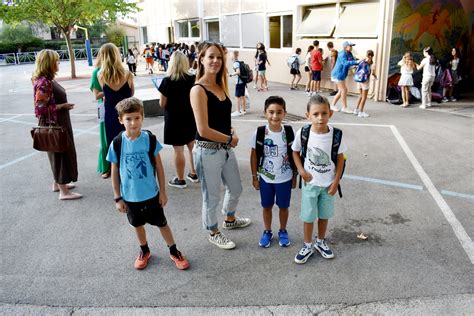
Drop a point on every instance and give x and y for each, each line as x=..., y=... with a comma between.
x=364, y=86
x=407, y=67
x=428, y=64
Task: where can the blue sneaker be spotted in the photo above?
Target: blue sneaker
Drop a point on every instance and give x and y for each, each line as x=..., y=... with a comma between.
x=323, y=249
x=303, y=255
x=284, y=241
x=265, y=239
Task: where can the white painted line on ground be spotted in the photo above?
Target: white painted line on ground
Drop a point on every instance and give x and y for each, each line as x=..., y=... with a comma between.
x=463, y=195
x=32, y=114
x=11, y=118
x=385, y=182
x=459, y=231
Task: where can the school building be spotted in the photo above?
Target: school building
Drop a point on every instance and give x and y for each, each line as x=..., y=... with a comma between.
x=388, y=27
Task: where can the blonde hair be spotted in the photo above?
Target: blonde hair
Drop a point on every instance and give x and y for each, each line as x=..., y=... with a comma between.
x=45, y=64
x=221, y=78
x=112, y=70
x=98, y=61
x=178, y=66
x=408, y=60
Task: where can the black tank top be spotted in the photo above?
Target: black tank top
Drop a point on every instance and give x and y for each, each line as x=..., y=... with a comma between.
x=218, y=113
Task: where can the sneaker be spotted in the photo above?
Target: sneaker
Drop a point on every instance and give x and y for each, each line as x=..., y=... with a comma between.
x=266, y=238
x=284, y=241
x=142, y=261
x=323, y=249
x=243, y=112
x=221, y=241
x=452, y=99
x=422, y=107
x=181, y=262
x=347, y=111
x=307, y=93
x=180, y=184
x=192, y=177
x=292, y=88
x=334, y=108
x=356, y=112
x=239, y=222
x=303, y=255
x=363, y=115
x=236, y=113
x=333, y=93
x=444, y=100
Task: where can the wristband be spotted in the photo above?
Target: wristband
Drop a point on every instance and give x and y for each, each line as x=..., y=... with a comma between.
x=118, y=199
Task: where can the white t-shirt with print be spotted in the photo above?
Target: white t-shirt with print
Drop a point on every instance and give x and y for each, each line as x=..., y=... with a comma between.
x=318, y=156
x=276, y=166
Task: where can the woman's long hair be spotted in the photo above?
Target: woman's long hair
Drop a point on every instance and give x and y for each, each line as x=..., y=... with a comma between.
x=178, y=66
x=112, y=71
x=45, y=64
x=221, y=78
x=429, y=51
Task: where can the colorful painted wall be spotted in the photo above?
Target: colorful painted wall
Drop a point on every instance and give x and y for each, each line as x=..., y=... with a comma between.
x=440, y=24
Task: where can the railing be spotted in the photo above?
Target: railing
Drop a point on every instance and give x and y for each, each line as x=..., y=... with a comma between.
x=30, y=57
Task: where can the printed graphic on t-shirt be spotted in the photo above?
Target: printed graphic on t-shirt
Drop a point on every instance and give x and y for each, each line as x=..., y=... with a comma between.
x=319, y=160
x=285, y=165
x=270, y=150
x=136, y=165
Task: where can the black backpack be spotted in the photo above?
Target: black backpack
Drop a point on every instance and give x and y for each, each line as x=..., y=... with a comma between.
x=336, y=142
x=245, y=72
x=117, y=143
x=290, y=137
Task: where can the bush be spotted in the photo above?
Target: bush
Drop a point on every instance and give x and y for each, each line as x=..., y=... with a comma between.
x=115, y=35
x=6, y=48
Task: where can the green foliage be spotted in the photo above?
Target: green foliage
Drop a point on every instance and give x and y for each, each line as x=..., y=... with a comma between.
x=115, y=34
x=19, y=38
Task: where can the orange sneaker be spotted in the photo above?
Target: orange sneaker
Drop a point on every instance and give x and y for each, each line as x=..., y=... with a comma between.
x=142, y=261
x=181, y=262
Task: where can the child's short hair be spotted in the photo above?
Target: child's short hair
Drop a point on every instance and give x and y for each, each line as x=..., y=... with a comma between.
x=317, y=99
x=129, y=105
x=274, y=99
x=370, y=53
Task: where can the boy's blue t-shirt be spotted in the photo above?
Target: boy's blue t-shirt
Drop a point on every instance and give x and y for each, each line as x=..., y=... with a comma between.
x=137, y=179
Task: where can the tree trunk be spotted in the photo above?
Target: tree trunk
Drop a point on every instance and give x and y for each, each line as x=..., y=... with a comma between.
x=72, y=57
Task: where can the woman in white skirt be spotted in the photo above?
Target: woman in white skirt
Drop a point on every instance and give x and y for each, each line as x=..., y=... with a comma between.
x=407, y=67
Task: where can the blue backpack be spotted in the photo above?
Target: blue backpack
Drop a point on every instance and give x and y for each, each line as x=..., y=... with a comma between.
x=362, y=72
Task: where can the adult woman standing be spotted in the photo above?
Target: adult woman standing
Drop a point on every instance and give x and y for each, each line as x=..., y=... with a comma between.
x=344, y=61
x=117, y=84
x=180, y=126
x=103, y=166
x=215, y=160
x=51, y=105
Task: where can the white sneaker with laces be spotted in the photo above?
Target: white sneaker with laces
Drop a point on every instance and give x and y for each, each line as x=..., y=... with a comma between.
x=363, y=115
x=239, y=222
x=236, y=113
x=221, y=241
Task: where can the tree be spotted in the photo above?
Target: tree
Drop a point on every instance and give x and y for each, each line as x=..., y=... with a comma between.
x=64, y=14
x=115, y=34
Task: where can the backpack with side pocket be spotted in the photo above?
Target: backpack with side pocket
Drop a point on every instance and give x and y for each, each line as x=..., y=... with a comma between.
x=293, y=62
x=245, y=73
x=336, y=143
x=362, y=72
x=259, y=146
x=117, y=143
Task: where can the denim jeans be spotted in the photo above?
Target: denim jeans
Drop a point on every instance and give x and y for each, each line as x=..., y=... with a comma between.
x=212, y=167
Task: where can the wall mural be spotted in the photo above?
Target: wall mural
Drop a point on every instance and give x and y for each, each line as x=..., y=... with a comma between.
x=441, y=24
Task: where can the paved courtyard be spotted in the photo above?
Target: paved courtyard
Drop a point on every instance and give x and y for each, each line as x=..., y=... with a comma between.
x=408, y=186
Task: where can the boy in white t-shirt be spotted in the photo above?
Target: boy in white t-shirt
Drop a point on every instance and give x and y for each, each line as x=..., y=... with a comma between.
x=320, y=176
x=273, y=168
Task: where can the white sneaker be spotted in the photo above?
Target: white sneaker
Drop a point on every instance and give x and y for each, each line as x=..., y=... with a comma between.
x=422, y=107
x=356, y=112
x=347, y=110
x=221, y=241
x=239, y=222
x=236, y=113
x=334, y=108
x=363, y=115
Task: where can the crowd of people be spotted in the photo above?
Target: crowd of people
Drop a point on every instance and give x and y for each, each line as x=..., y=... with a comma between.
x=198, y=111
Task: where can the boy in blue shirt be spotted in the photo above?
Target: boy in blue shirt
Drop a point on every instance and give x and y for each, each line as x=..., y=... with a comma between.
x=133, y=181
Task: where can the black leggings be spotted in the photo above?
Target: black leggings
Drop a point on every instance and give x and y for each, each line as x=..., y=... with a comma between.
x=132, y=67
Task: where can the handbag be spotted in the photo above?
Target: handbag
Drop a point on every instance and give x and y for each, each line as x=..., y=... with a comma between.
x=51, y=137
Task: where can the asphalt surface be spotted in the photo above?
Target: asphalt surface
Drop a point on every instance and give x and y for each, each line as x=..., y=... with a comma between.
x=76, y=257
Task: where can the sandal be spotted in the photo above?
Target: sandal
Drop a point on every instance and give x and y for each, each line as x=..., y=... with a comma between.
x=70, y=196
x=105, y=175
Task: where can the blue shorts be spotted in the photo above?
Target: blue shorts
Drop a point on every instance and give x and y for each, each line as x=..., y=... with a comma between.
x=315, y=203
x=316, y=75
x=282, y=192
x=240, y=90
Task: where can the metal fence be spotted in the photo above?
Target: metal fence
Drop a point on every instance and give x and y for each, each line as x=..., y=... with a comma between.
x=30, y=57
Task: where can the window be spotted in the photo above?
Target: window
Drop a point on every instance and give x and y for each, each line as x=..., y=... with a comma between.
x=145, y=34
x=188, y=28
x=213, y=31
x=281, y=31
x=230, y=33
x=319, y=21
x=252, y=29
x=351, y=25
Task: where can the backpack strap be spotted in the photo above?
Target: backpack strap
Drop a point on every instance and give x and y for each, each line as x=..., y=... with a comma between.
x=304, y=137
x=151, y=150
x=336, y=143
x=259, y=145
x=290, y=137
x=117, y=145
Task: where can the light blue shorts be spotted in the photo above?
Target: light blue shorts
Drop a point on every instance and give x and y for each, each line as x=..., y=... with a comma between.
x=261, y=72
x=315, y=203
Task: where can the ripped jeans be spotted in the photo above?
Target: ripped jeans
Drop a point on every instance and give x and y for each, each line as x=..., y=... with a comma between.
x=212, y=167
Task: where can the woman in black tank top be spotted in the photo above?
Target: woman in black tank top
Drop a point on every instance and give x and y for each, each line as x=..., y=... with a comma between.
x=213, y=155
